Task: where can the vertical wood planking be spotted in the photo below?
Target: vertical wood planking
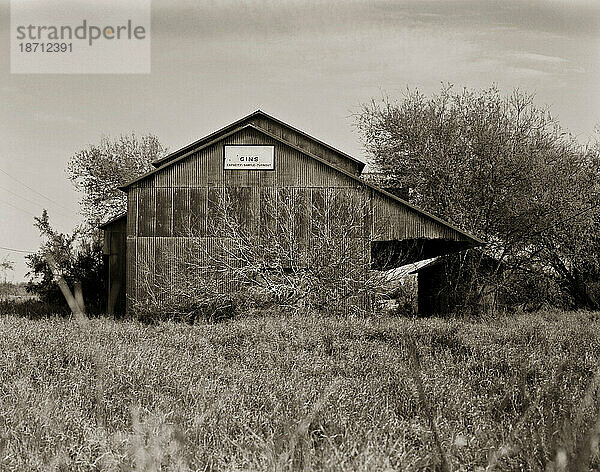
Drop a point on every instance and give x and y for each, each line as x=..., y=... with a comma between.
x=214, y=158
x=199, y=220
x=215, y=205
x=146, y=270
x=267, y=212
x=132, y=262
x=302, y=199
x=146, y=212
x=132, y=211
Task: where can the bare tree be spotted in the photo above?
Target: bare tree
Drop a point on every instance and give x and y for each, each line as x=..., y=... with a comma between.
x=302, y=254
x=502, y=168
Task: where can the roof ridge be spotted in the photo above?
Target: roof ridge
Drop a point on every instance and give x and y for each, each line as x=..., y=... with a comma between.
x=164, y=160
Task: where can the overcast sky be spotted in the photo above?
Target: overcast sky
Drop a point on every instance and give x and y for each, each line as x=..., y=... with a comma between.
x=310, y=64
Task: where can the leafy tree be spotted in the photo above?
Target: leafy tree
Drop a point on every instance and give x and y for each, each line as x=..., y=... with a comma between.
x=6, y=265
x=500, y=167
x=100, y=169
x=78, y=259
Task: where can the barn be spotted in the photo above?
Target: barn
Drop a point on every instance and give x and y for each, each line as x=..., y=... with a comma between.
x=258, y=163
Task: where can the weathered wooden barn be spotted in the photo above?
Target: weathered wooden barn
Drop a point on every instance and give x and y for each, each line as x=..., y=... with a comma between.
x=257, y=162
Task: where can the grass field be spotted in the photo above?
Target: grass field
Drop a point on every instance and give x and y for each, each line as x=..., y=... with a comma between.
x=301, y=393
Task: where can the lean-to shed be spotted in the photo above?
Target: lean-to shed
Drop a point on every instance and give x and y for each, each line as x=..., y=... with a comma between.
x=457, y=283
x=257, y=163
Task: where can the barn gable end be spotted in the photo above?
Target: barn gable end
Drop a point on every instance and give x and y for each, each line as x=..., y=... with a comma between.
x=282, y=131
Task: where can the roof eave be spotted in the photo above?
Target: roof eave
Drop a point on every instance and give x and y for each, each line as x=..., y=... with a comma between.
x=112, y=220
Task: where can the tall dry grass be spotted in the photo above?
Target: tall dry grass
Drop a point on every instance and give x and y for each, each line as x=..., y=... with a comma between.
x=301, y=393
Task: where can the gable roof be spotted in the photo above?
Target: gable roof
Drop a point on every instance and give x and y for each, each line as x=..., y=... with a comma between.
x=206, y=143
x=247, y=119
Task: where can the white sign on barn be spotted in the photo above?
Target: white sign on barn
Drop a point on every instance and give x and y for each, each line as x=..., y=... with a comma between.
x=249, y=157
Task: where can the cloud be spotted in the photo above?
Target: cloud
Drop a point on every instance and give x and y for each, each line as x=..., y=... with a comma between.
x=529, y=72
x=524, y=64
x=249, y=20
x=575, y=17
x=374, y=44
x=45, y=117
x=540, y=58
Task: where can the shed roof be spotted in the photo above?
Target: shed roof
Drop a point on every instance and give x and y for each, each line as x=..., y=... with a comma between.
x=486, y=262
x=113, y=220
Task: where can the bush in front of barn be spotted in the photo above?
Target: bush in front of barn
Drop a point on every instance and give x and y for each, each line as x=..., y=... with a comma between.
x=85, y=267
x=78, y=260
x=244, y=268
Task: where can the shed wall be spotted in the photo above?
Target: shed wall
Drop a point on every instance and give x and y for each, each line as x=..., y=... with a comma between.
x=115, y=262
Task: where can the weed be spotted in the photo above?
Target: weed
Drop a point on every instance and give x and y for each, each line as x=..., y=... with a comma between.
x=301, y=392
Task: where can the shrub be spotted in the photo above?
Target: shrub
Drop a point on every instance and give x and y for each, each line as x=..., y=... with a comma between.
x=325, y=271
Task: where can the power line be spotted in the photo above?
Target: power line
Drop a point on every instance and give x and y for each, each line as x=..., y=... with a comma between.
x=34, y=190
x=18, y=208
x=16, y=250
x=28, y=200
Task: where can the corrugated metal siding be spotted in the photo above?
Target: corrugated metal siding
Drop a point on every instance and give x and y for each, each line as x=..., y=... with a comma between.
x=132, y=216
x=181, y=211
x=305, y=143
x=198, y=217
x=281, y=131
x=132, y=264
x=292, y=168
x=164, y=211
x=392, y=220
x=184, y=199
x=146, y=213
